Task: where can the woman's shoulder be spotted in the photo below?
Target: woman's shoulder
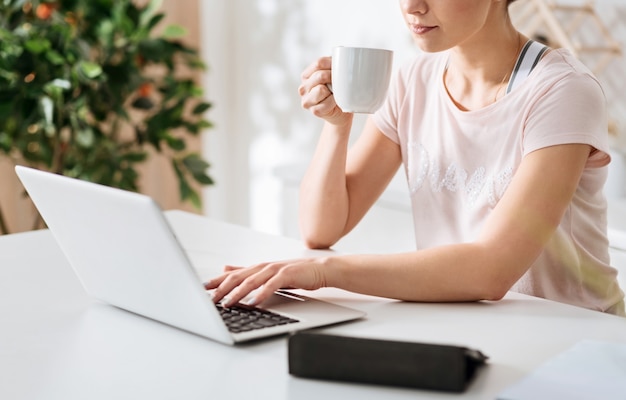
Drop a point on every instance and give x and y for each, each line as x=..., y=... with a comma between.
x=560, y=64
x=560, y=75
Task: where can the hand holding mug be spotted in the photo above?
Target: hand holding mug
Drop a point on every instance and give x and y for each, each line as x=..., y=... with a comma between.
x=315, y=92
x=360, y=78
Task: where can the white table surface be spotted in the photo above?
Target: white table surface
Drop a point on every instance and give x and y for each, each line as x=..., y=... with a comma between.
x=57, y=343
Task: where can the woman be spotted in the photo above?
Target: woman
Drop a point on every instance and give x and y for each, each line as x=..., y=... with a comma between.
x=505, y=171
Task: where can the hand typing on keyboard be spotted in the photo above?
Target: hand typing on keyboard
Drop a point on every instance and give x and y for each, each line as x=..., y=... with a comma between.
x=237, y=283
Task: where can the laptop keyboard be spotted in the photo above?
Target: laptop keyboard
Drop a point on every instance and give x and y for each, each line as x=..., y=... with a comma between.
x=240, y=318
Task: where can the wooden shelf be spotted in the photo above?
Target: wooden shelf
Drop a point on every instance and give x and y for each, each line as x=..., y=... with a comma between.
x=575, y=27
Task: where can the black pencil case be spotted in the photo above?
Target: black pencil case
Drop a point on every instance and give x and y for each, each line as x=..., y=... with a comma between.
x=383, y=362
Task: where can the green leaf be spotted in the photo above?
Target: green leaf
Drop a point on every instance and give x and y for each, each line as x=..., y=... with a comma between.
x=56, y=87
x=37, y=45
x=54, y=57
x=197, y=167
x=195, y=163
x=90, y=69
x=85, y=138
x=6, y=142
x=203, y=179
x=105, y=32
x=135, y=157
x=174, y=32
x=154, y=21
x=201, y=108
x=195, y=199
x=61, y=84
x=154, y=50
x=204, y=124
x=186, y=191
x=183, y=186
x=175, y=143
x=47, y=107
x=150, y=10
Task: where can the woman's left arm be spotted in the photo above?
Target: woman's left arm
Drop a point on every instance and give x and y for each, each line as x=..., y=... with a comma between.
x=512, y=238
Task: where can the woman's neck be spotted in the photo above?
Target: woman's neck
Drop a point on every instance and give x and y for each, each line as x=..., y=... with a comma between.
x=479, y=69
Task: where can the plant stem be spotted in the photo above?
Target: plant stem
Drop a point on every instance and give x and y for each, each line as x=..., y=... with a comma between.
x=3, y=225
x=57, y=152
x=37, y=222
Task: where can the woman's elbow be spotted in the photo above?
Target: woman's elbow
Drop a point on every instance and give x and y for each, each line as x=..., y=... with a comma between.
x=495, y=294
x=317, y=245
x=495, y=289
x=317, y=242
x=318, y=238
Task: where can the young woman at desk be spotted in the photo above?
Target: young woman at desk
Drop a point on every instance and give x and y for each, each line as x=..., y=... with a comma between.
x=505, y=172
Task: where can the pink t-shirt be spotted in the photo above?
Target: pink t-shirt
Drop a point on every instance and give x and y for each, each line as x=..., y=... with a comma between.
x=459, y=163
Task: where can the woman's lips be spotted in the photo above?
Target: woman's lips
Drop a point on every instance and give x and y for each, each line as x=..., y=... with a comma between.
x=421, y=29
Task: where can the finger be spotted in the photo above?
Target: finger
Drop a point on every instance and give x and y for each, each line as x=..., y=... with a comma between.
x=293, y=274
x=230, y=281
x=327, y=109
x=319, y=64
x=273, y=284
x=213, y=283
x=216, y=281
x=250, y=284
x=319, y=95
x=316, y=85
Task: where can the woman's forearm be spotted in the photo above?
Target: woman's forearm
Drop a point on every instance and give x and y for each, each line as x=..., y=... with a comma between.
x=460, y=272
x=324, y=201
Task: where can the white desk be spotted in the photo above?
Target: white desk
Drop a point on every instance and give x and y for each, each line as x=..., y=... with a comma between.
x=57, y=343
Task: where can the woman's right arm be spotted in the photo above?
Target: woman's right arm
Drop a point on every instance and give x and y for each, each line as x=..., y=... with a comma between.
x=340, y=185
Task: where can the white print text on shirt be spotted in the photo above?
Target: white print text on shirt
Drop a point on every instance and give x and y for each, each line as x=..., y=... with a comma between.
x=423, y=168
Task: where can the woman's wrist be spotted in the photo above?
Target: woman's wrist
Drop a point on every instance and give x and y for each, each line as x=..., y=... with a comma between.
x=332, y=272
x=341, y=121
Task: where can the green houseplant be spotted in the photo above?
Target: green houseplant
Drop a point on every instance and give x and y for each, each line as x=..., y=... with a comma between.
x=87, y=88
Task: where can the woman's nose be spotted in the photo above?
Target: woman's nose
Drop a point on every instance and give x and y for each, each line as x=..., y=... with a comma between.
x=414, y=6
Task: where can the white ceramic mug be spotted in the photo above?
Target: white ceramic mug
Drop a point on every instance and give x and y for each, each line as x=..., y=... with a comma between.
x=360, y=78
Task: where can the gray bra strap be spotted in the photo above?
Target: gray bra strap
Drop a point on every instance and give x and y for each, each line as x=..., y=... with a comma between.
x=529, y=57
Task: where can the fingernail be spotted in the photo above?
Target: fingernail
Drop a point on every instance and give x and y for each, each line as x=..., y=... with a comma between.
x=251, y=301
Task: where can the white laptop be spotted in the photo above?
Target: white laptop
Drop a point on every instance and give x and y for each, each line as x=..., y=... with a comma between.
x=124, y=252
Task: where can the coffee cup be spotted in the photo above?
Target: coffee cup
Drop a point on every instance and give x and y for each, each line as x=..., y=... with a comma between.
x=360, y=78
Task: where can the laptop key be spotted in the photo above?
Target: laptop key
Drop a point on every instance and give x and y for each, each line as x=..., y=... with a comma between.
x=242, y=318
